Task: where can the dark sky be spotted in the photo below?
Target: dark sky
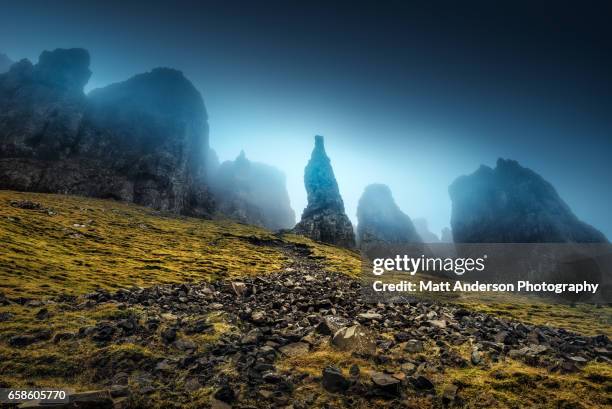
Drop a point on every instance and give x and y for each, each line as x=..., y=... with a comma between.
x=412, y=94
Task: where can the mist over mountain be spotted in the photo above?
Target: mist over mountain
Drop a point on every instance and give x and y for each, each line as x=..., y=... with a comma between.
x=381, y=220
x=5, y=63
x=145, y=140
x=422, y=228
x=253, y=193
x=446, y=235
x=513, y=204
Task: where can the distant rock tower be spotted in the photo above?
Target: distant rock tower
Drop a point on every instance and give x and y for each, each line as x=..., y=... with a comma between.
x=513, y=204
x=324, y=218
x=381, y=221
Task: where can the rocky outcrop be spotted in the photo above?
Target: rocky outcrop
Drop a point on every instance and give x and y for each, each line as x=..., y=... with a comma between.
x=324, y=218
x=5, y=63
x=381, y=221
x=144, y=140
x=513, y=204
x=253, y=193
x=422, y=227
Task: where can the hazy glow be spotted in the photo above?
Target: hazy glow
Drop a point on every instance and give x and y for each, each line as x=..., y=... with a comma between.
x=400, y=98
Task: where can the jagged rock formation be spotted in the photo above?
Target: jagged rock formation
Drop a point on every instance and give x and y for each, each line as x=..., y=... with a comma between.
x=324, y=218
x=143, y=140
x=381, y=220
x=513, y=204
x=254, y=193
x=422, y=228
x=446, y=235
x=5, y=63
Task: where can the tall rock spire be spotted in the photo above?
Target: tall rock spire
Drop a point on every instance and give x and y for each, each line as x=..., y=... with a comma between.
x=324, y=218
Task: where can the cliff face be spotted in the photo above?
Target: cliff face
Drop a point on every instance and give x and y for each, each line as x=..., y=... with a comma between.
x=42, y=105
x=253, y=193
x=381, y=220
x=144, y=140
x=324, y=218
x=513, y=204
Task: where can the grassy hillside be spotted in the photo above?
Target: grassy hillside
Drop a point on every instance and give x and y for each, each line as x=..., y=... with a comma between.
x=57, y=248
x=73, y=245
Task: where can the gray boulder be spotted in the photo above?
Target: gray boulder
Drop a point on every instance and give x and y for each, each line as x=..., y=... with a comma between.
x=324, y=218
x=513, y=204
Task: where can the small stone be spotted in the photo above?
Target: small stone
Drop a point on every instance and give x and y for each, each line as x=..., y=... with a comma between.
x=169, y=317
x=414, y=346
x=225, y=394
x=239, y=288
x=17, y=341
x=578, y=359
x=476, y=358
x=117, y=391
x=449, y=394
x=271, y=377
x=326, y=327
x=251, y=337
x=422, y=383
x=164, y=366
x=333, y=380
x=354, y=338
x=103, y=332
x=402, y=336
x=62, y=336
x=368, y=316
x=42, y=314
x=437, y=323
x=184, y=344
x=168, y=335
x=21, y=340
x=295, y=349
x=408, y=368
x=500, y=337
x=34, y=303
x=258, y=317
x=386, y=384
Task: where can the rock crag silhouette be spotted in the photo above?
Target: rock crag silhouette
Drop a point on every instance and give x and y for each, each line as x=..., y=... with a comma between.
x=324, y=218
x=253, y=193
x=143, y=140
x=380, y=220
x=513, y=204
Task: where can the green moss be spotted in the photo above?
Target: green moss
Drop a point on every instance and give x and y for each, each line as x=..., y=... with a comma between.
x=124, y=245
